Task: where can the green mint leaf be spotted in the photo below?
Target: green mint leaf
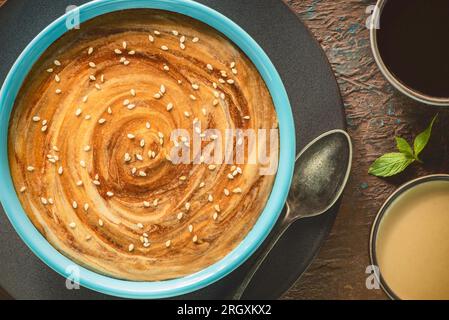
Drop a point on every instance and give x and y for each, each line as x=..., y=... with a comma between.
x=404, y=147
x=423, y=138
x=390, y=164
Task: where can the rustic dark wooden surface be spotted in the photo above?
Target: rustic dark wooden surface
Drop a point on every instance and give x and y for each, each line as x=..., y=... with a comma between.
x=375, y=113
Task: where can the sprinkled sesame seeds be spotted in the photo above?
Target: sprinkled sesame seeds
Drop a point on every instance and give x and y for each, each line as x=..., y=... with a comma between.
x=78, y=112
x=74, y=204
x=139, y=225
x=44, y=201
x=237, y=190
x=192, y=97
x=86, y=207
x=142, y=143
x=72, y=225
x=79, y=183
x=195, y=86
x=146, y=204
x=133, y=92
x=195, y=238
x=215, y=216
x=60, y=170
x=246, y=117
x=156, y=32
x=164, y=48
x=130, y=247
x=212, y=167
x=30, y=168
x=190, y=227
x=92, y=77
x=132, y=52
x=57, y=63
x=130, y=136
x=100, y=222
x=92, y=64
x=210, y=67
x=180, y=215
x=131, y=106
x=168, y=243
x=57, y=78
x=58, y=91
x=50, y=70
x=226, y=192
x=195, y=39
x=148, y=125
x=169, y=106
x=97, y=86
x=187, y=206
x=82, y=163
x=151, y=38
x=101, y=121
x=36, y=119
x=23, y=189
x=90, y=51
x=110, y=194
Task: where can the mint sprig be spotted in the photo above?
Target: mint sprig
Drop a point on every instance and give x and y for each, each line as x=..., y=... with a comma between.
x=393, y=163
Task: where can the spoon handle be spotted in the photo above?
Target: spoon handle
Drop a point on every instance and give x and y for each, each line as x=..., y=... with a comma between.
x=260, y=259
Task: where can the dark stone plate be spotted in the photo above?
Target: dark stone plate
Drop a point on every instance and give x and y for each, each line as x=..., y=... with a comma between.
x=316, y=104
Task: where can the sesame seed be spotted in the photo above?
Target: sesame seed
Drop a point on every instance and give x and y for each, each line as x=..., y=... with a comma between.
x=157, y=32
x=92, y=64
x=124, y=45
x=57, y=63
x=110, y=194
x=195, y=86
x=142, y=174
x=234, y=71
x=96, y=182
x=230, y=176
x=87, y=117
x=133, y=92
x=72, y=225
x=140, y=226
x=79, y=183
x=30, y=168
x=130, y=247
x=146, y=204
x=182, y=46
x=139, y=157
x=58, y=91
x=192, y=97
x=23, y=189
x=131, y=106
x=125, y=102
x=92, y=77
x=168, y=243
x=162, y=89
x=182, y=39
x=102, y=78
x=101, y=121
x=166, y=68
x=127, y=157
x=44, y=128
x=175, y=32
x=50, y=70
x=212, y=167
x=78, y=112
x=195, y=39
x=85, y=99
x=83, y=163
x=180, y=215
x=157, y=96
x=36, y=119
x=246, y=117
x=60, y=170
x=183, y=178
x=132, y=52
x=226, y=192
x=44, y=201
x=237, y=190
x=88, y=238
x=151, y=38
x=210, y=198
x=190, y=228
x=230, y=81
x=155, y=202
x=109, y=110
x=164, y=48
x=57, y=78
x=86, y=206
x=187, y=206
x=100, y=222
x=217, y=207
x=90, y=51
x=215, y=216
x=169, y=106
x=97, y=86
x=195, y=238
x=74, y=205
x=202, y=184
x=187, y=114
x=148, y=125
x=130, y=136
x=210, y=67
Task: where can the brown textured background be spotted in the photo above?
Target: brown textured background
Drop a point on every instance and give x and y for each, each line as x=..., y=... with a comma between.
x=375, y=114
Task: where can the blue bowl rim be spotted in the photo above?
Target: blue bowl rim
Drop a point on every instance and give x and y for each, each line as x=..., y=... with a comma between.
x=174, y=287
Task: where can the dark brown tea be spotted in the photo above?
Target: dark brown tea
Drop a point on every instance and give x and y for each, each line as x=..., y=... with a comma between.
x=413, y=42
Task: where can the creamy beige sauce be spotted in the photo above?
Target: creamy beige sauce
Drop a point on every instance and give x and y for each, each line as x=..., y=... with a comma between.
x=413, y=243
x=137, y=217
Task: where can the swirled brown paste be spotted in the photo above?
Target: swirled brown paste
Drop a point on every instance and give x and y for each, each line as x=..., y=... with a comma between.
x=89, y=145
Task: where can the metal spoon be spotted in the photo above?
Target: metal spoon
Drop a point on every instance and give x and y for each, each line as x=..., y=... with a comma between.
x=321, y=171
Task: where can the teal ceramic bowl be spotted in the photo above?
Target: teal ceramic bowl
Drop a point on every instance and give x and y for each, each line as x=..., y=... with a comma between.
x=160, y=289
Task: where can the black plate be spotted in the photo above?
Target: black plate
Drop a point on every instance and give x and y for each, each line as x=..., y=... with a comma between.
x=316, y=104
